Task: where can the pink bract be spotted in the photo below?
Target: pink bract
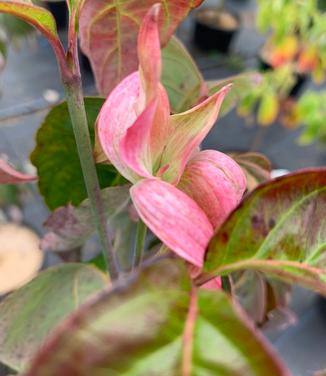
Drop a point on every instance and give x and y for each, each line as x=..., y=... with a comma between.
x=174, y=217
x=181, y=194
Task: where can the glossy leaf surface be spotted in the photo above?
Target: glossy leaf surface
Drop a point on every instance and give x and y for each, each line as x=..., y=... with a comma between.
x=155, y=325
x=39, y=17
x=30, y=313
x=56, y=159
x=134, y=329
x=279, y=229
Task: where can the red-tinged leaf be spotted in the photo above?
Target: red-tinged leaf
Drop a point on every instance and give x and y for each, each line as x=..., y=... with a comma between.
x=31, y=312
x=279, y=229
x=174, y=218
x=154, y=324
x=188, y=130
x=135, y=328
x=216, y=182
x=256, y=167
x=8, y=175
x=109, y=29
x=41, y=19
x=69, y=227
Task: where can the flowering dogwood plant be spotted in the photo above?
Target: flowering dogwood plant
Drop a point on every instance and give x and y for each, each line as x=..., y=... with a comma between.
x=180, y=193
x=166, y=303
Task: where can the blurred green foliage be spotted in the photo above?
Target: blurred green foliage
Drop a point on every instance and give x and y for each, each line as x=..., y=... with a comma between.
x=294, y=52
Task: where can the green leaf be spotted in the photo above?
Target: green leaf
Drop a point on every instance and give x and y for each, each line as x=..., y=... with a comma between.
x=56, y=158
x=134, y=329
x=181, y=77
x=279, y=229
x=154, y=324
x=109, y=30
x=99, y=262
x=242, y=85
x=39, y=17
x=226, y=343
x=30, y=313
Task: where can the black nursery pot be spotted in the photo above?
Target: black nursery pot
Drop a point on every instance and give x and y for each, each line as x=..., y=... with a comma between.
x=60, y=13
x=300, y=79
x=215, y=30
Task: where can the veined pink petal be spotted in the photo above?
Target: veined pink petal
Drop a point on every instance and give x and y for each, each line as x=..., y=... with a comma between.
x=188, y=130
x=149, y=52
x=216, y=182
x=119, y=113
x=8, y=175
x=135, y=145
x=174, y=218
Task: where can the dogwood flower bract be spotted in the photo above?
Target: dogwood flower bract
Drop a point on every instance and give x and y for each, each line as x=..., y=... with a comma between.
x=182, y=194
